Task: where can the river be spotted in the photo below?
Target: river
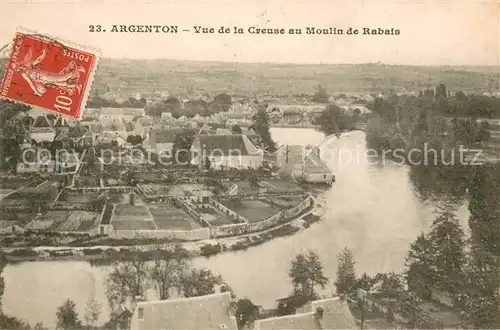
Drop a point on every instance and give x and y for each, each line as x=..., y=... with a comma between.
x=372, y=209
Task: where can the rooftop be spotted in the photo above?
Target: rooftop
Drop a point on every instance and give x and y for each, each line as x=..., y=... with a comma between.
x=204, y=312
x=335, y=315
x=223, y=144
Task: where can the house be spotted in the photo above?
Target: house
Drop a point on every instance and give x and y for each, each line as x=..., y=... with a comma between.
x=304, y=163
x=330, y=313
x=160, y=141
x=41, y=130
x=222, y=131
x=122, y=316
x=47, y=166
x=109, y=137
x=142, y=124
x=117, y=127
x=61, y=125
x=226, y=151
x=253, y=136
x=210, y=312
x=130, y=113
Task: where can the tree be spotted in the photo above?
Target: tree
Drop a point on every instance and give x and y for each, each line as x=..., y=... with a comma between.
x=236, y=129
x=92, y=312
x=221, y=103
x=208, y=163
x=134, y=139
x=199, y=282
x=246, y=313
x=366, y=282
x=331, y=120
x=391, y=284
x=484, y=207
x=410, y=308
x=126, y=281
x=172, y=105
x=481, y=298
x=9, y=322
x=166, y=274
x=419, y=267
x=447, y=244
x=196, y=107
x=254, y=181
x=306, y=273
x=261, y=126
x=67, y=317
x=346, y=276
x=3, y=263
x=321, y=95
x=182, y=146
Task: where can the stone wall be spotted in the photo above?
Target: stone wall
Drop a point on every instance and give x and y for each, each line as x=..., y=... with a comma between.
x=184, y=235
x=189, y=208
x=245, y=227
x=90, y=190
x=238, y=218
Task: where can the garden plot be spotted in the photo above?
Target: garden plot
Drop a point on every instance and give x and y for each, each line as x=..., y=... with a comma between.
x=13, y=183
x=252, y=210
x=21, y=217
x=281, y=186
x=121, y=224
x=132, y=217
x=152, y=189
x=5, y=192
x=132, y=211
x=168, y=217
x=79, y=221
x=9, y=223
x=220, y=218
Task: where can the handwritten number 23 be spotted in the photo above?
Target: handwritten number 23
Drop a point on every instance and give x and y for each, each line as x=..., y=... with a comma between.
x=95, y=28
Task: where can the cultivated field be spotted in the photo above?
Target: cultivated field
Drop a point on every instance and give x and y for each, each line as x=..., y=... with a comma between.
x=169, y=217
x=13, y=183
x=76, y=197
x=128, y=217
x=80, y=221
x=152, y=189
x=127, y=211
x=244, y=187
x=130, y=224
x=220, y=218
x=281, y=186
x=252, y=210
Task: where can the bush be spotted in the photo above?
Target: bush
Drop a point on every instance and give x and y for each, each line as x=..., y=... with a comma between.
x=209, y=250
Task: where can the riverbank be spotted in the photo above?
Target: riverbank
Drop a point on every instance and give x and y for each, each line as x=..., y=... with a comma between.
x=206, y=248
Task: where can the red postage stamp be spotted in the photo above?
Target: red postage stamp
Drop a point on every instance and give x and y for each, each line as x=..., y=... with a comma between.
x=49, y=74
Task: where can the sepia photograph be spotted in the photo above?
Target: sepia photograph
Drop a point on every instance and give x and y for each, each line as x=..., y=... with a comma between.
x=250, y=165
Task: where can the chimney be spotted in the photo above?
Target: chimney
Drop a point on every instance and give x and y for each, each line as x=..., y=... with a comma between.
x=318, y=317
x=319, y=313
x=132, y=198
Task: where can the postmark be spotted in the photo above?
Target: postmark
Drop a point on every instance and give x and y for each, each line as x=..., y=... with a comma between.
x=49, y=73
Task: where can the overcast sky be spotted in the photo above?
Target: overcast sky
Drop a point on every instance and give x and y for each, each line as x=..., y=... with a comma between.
x=432, y=33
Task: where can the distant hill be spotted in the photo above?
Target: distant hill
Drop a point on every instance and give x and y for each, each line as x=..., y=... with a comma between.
x=249, y=78
x=131, y=76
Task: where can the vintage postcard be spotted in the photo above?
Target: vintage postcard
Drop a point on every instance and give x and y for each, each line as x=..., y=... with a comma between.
x=249, y=165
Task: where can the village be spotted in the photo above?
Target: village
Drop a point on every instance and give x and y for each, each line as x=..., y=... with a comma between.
x=113, y=174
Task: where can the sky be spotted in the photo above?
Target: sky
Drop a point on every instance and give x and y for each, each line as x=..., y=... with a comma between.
x=431, y=33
